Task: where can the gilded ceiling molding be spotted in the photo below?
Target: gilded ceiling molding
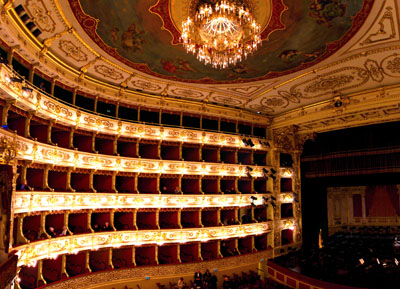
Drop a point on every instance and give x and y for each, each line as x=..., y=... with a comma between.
x=40, y=15
x=7, y=5
x=37, y=201
x=29, y=254
x=288, y=139
x=267, y=104
x=48, y=41
x=284, y=137
x=49, y=108
x=371, y=107
x=386, y=30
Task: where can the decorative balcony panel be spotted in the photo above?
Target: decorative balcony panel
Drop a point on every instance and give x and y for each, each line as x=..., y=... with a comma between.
x=52, y=155
x=28, y=202
x=30, y=253
x=49, y=108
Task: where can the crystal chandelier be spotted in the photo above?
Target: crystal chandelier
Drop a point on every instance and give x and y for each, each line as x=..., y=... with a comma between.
x=221, y=34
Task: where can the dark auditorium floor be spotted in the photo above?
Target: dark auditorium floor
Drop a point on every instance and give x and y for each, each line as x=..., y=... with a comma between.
x=339, y=261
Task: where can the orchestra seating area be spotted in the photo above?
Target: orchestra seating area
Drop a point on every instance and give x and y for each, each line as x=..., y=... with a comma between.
x=243, y=280
x=365, y=256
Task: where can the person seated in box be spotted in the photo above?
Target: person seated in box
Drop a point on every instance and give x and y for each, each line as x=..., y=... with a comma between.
x=64, y=232
x=52, y=232
x=107, y=227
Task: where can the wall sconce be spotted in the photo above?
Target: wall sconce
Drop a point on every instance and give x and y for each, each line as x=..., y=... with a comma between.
x=288, y=224
x=287, y=173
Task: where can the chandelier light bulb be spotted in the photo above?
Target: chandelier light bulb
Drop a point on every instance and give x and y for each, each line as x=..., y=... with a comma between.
x=221, y=34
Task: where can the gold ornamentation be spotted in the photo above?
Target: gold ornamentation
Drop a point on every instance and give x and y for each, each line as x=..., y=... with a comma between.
x=300, y=139
x=108, y=72
x=284, y=137
x=385, y=23
x=8, y=150
x=187, y=93
x=374, y=70
x=392, y=64
x=57, y=109
x=71, y=50
x=40, y=15
x=30, y=253
x=146, y=85
x=329, y=83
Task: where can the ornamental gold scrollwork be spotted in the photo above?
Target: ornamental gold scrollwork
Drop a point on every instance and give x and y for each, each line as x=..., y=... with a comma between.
x=385, y=28
x=73, y=51
x=108, y=72
x=8, y=150
x=40, y=15
x=30, y=253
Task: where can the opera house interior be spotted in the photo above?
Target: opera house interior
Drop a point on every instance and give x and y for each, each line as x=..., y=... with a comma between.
x=199, y=144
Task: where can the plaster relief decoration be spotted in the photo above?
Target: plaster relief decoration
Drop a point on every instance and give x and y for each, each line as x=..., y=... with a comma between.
x=391, y=65
x=40, y=15
x=339, y=79
x=145, y=85
x=275, y=101
x=108, y=72
x=384, y=29
x=374, y=70
x=284, y=137
x=71, y=50
x=261, y=108
x=226, y=100
x=187, y=93
x=246, y=90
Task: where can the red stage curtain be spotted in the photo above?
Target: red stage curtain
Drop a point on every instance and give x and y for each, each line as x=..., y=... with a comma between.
x=382, y=201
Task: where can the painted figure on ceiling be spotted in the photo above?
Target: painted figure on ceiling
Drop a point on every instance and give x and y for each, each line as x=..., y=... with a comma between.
x=132, y=39
x=324, y=11
x=114, y=34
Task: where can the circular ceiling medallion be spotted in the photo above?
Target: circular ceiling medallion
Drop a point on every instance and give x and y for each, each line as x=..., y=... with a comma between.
x=145, y=35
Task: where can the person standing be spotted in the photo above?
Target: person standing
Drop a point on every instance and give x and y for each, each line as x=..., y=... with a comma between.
x=207, y=279
x=198, y=279
x=214, y=281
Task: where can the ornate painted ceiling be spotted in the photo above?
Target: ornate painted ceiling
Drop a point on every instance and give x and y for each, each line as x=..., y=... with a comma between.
x=312, y=51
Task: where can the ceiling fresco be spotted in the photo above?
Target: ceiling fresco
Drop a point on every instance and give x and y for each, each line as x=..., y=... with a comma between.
x=145, y=35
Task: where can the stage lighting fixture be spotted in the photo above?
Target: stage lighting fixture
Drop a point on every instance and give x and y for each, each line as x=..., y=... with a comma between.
x=16, y=79
x=273, y=171
x=250, y=169
x=245, y=142
x=250, y=142
x=253, y=198
x=273, y=198
x=27, y=89
x=249, y=175
x=272, y=177
x=265, y=170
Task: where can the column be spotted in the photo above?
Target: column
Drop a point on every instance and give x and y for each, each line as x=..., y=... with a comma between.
x=350, y=213
x=364, y=209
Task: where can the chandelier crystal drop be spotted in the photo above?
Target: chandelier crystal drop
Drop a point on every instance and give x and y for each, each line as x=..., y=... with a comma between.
x=221, y=34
